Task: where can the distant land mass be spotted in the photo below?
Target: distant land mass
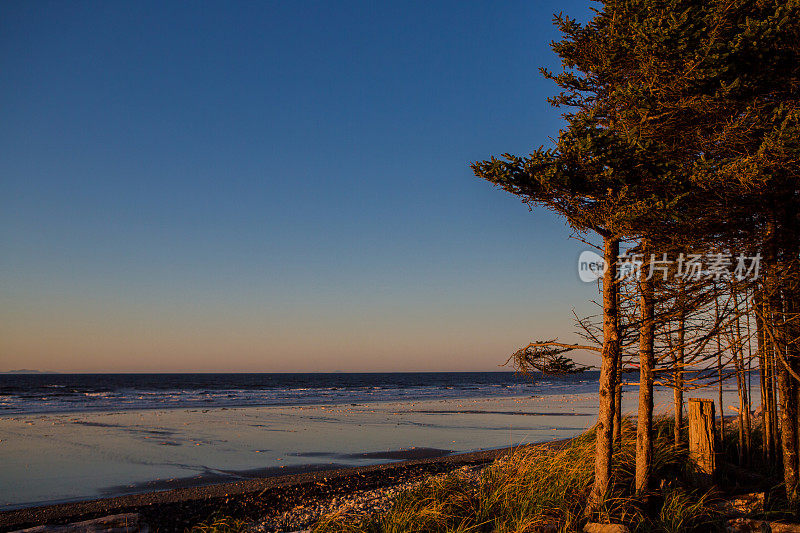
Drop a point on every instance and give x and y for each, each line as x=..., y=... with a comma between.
x=27, y=371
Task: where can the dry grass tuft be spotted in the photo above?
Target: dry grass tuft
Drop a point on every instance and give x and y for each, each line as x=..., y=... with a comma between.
x=532, y=487
x=222, y=524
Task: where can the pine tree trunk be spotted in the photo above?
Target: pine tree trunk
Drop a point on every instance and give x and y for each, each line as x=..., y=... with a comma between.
x=766, y=418
x=773, y=395
x=787, y=397
x=748, y=377
x=644, y=428
x=769, y=377
x=791, y=338
x=618, y=404
x=679, y=359
x=741, y=380
x=740, y=393
x=791, y=288
x=788, y=394
x=719, y=367
x=721, y=405
x=677, y=400
x=748, y=428
x=608, y=374
x=788, y=420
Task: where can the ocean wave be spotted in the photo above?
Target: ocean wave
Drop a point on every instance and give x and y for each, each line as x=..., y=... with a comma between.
x=71, y=393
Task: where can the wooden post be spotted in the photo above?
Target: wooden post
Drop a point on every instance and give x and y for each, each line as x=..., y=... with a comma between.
x=701, y=441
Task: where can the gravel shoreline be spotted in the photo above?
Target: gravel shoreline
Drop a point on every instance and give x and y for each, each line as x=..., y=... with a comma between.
x=357, y=504
x=275, y=502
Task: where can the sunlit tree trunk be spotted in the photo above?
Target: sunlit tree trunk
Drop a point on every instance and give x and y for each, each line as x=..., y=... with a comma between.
x=745, y=371
x=737, y=365
x=763, y=375
x=644, y=429
x=608, y=374
x=719, y=367
x=787, y=396
x=748, y=370
x=769, y=374
x=772, y=390
x=618, y=402
x=789, y=412
x=737, y=356
x=679, y=358
x=788, y=421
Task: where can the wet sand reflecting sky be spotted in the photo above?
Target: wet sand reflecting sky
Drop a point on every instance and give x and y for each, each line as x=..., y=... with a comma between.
x=62, y=457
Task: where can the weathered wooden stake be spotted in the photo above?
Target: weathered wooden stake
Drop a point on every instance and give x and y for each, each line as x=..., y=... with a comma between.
x=701, y=441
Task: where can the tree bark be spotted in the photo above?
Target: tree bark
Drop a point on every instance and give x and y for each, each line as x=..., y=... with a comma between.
x=608, y=374
x=740, y=393
x=788, y=420
x=618, y=403
x=644, y=428
x=791, y=337
x=742, y=377
x=772, y=390
x=748, y=375
x=787, y=397
x=769, y=376
x=719, y=367
x=766, y=416
x=701, y=441
x=679, y=359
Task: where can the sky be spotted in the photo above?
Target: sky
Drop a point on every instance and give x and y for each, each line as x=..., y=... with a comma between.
x=276, y=186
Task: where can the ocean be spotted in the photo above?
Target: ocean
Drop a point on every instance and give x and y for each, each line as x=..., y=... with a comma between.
x=70, y=437
x=63, y=393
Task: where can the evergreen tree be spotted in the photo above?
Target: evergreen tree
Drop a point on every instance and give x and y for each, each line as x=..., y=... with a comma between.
x=682, y=123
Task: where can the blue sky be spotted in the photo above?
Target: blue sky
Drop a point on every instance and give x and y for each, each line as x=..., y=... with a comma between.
x=275, y=186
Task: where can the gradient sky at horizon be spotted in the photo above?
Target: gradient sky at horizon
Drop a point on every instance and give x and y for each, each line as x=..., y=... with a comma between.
x=275, y=187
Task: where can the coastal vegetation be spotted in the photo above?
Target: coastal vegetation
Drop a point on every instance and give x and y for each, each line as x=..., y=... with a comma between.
x=547, y=489
x=548, y=359
x=680, y=154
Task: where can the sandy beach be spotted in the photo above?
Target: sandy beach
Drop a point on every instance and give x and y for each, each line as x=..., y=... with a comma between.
x=262, y=498
x=57, y=458
x=78, y=456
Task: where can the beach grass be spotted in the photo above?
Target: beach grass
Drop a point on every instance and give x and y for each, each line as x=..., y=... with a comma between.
x=537, y=487
x=220, y=524
x=545, y=488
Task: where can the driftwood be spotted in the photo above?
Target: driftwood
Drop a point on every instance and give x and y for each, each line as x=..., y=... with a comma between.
x=118, y=523
x=701, y=441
